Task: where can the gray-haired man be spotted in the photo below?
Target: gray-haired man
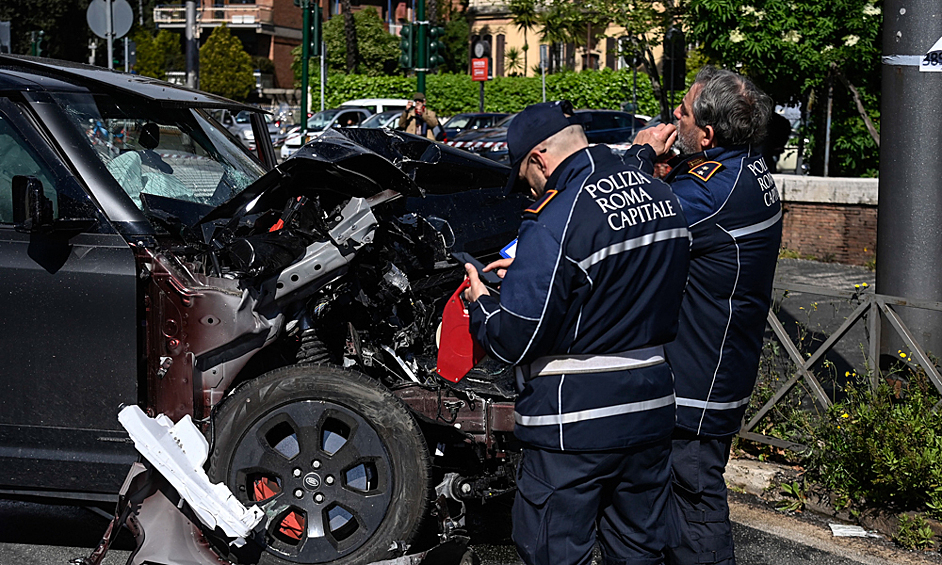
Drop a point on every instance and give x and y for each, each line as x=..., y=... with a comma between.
x=732, y=206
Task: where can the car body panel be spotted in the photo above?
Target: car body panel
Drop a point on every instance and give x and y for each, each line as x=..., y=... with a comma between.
x=469, y=121
x=321, y=122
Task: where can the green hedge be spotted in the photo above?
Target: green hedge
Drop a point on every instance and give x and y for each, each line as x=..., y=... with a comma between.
x=449, y=94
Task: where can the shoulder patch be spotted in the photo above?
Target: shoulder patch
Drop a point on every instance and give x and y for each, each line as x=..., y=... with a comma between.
x=539, y=204
x=696, y=162
x=705, y=170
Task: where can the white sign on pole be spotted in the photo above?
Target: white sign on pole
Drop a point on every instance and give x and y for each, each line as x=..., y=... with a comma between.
x=932, y=62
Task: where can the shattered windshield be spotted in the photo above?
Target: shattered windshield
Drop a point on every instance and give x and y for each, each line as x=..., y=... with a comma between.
x=177, y=153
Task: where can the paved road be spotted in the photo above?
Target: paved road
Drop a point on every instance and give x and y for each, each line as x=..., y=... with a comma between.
x=31, y=534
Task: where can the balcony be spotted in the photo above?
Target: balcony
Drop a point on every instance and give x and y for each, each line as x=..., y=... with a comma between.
x=490, y=7
x=234, y=16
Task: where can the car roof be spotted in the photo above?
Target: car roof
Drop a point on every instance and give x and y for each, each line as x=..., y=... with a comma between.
x=365, y=101
x=20, y=72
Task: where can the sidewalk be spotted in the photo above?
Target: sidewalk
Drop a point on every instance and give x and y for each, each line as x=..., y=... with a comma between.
x=752, y=483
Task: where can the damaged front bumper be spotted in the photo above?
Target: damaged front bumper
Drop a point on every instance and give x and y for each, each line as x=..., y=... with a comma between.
x=177, y=517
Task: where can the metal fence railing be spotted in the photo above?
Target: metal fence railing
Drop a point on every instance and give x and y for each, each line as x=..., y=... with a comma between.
x=871, y=311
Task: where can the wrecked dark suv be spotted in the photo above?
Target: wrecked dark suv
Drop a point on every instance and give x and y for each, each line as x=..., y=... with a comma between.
x=293, y=312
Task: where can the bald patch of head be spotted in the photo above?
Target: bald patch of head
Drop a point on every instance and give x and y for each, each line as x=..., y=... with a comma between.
x=565, y=142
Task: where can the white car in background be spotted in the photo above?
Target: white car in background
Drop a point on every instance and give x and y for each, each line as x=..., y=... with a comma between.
x=378, y=105
x=321, y=122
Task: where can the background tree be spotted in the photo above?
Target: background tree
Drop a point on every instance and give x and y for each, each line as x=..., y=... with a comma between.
x=225, y=67
x=378, y=49
x=352, y=48
x=63, y=37
x=796, y=51
x=525, y=17
x=158, y=54
x=457, y=49
x=645, y=24
x=562, y=22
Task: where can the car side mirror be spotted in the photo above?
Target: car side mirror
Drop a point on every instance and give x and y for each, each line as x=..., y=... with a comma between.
x=32, y=211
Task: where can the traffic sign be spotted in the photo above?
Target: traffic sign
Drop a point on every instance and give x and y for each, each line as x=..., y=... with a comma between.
x=122, y=16
x=479, y=69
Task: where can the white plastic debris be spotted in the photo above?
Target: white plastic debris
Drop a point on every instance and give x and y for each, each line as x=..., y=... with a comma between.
x=178, y=452
x=847, y=531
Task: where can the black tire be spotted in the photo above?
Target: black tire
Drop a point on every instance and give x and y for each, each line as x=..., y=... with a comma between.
x=314, y=430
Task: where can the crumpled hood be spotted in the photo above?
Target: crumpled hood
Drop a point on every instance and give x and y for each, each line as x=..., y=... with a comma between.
x=361, y=162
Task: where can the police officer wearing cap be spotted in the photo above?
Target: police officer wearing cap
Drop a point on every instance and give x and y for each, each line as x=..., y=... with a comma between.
x=735, y=218
x=584, y=312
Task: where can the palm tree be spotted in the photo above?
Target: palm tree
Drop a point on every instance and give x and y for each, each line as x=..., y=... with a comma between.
x=350, y=33
x=562, y=23
x=514, y=65
x=524, y=15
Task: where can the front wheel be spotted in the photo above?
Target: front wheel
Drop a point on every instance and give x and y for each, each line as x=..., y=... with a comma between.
x=333, y=458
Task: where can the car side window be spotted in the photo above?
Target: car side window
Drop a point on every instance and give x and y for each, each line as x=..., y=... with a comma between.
x=622, y=121
x=18, y=158
x=601, y=121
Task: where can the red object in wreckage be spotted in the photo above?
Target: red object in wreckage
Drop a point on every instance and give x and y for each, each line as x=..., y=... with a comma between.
x=458, y=352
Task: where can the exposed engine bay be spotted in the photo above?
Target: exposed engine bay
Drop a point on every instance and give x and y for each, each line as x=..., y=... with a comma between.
x=334, y=258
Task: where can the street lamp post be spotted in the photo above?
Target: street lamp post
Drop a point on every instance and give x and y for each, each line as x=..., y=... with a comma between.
x=909, y=225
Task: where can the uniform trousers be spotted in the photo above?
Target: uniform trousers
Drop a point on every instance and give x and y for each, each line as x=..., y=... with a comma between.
x=698, y=501
x=568, y=500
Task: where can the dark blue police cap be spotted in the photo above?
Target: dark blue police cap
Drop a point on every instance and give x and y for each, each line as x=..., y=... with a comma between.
x=534, y=125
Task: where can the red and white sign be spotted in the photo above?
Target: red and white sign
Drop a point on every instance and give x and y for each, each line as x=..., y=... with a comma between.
x=479, y=69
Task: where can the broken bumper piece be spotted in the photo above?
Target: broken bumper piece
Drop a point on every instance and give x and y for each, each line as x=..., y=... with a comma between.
x=163, y=500
x=178, y=452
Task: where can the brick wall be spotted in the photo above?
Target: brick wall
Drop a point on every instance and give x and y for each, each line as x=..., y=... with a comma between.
x=829, y=219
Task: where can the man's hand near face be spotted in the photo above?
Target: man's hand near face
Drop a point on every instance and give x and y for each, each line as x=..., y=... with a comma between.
x=661, y=138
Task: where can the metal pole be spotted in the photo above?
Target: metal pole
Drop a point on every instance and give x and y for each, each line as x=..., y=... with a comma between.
x=481, y=97
x=109, y=23
x=827, y=129
x=192, y=46
x=422, y=45
x=909, y=225
x=634, y=94
x=800, y=162
x=305, y=62
x=127, y=55
x=323, y=72
x=140, y=13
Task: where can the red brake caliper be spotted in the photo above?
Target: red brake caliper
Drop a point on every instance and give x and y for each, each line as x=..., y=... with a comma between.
x=292, y=525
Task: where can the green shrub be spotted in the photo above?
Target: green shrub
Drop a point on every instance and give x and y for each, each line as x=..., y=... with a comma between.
x=884, y=449
x=449, y=94
x=913, y=532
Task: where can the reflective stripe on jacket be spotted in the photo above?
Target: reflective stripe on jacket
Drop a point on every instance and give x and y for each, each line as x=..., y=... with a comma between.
x=735, y=216
x=599, y=274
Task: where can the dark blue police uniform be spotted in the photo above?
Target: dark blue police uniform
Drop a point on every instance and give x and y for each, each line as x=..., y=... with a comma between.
x=584, y=312
x=732, y=205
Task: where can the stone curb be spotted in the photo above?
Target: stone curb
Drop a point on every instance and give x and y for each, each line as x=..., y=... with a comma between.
x=763, y=480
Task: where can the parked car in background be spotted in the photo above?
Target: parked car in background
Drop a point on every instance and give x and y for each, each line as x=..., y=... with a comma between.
x=388, y=119
x=607, y=126
x=469, y=121
x=239, y=124
x=377, y=105
x=321, y=122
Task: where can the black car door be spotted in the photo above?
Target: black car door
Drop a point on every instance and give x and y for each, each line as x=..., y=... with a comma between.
x=69, y=331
